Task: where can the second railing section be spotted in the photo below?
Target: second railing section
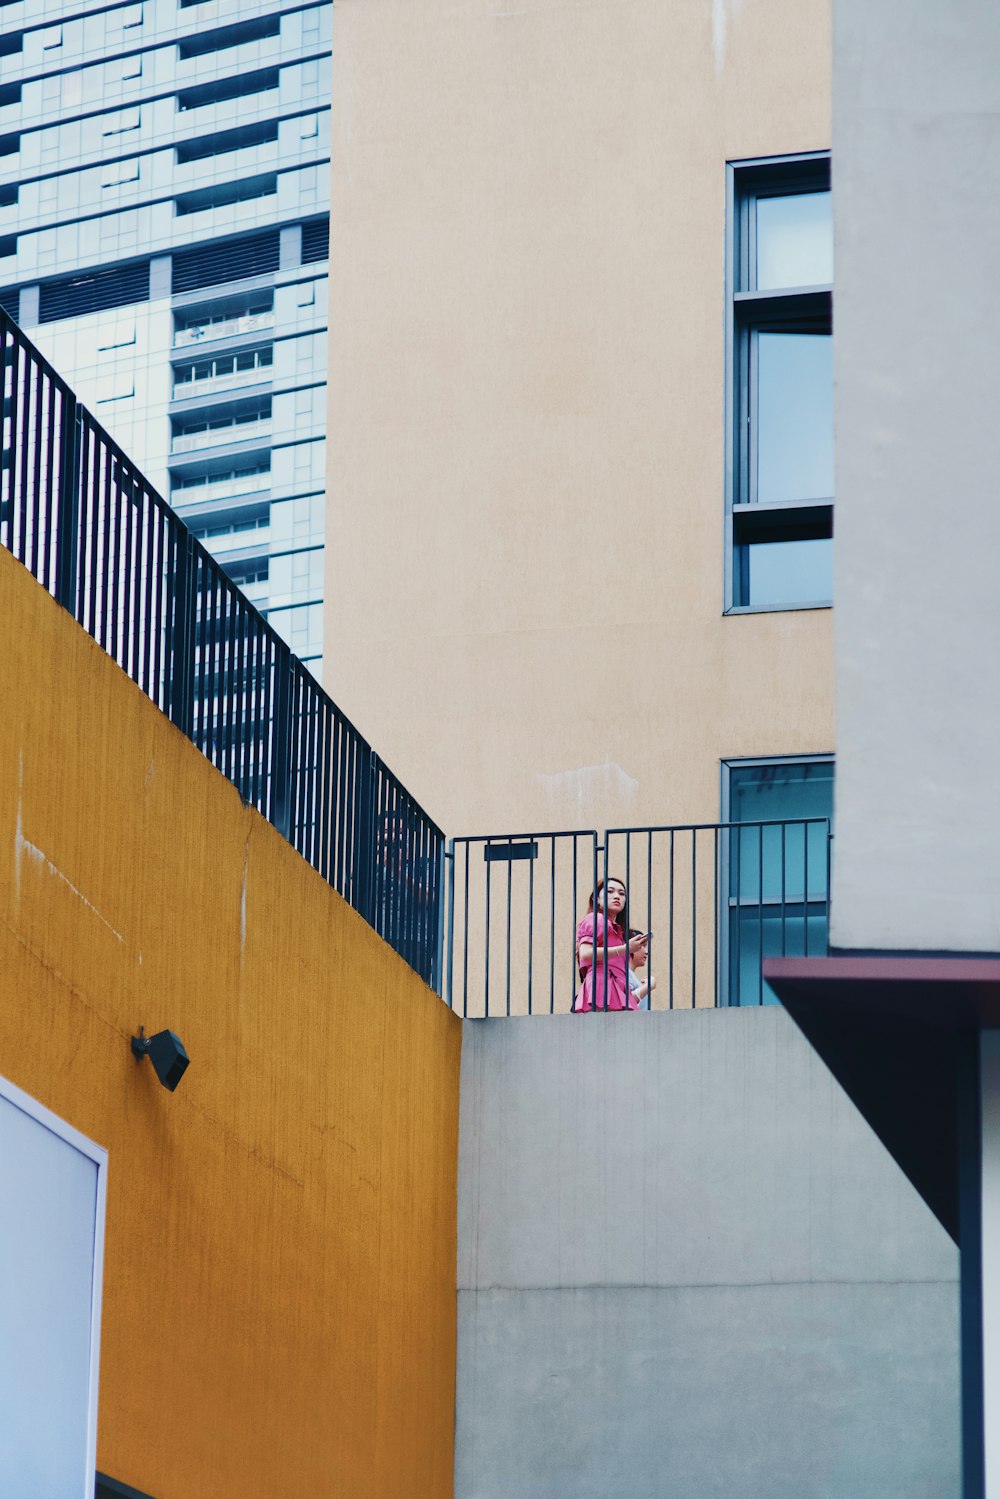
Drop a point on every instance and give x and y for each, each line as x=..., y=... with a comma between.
x=714, y=899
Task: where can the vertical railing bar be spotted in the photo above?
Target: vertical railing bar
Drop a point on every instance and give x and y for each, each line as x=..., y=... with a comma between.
x=716, y=976
x=97, y=529
x=531, y=929
x=739, y=917
x=575, y=968
x=232, y=679
x=309, y=790
x=465, y=937
x=760, y=915
x=86, y=524
x=106, y=544
x=28, y=501
x=552, y=929
x=605, y=940
x=694, y=919
x=486, y=984
x=670, y=933
x=829, y=877
x=649, y=910
x=510, y=882
x=326, y=812
x=627, y=917
x=448, y=895
x=783, y=938
x=343, y=768
x=239, y=698
x=128, y=632
x=149, y=553
x=46, y=412
x=805, y=889
x=119, y=569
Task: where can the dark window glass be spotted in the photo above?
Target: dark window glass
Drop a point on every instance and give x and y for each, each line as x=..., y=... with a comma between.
x=10, y=93
x=8, y=245
x=227, y=140
x=225, y=193
x=11, y=43
x=229, y=36
x=9, y=144
x=258, y=82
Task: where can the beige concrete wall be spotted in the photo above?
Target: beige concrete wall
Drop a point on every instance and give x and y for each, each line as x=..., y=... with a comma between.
x=526, y=401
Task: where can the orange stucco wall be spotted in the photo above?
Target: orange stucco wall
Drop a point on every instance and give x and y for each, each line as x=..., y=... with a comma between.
x=279, y=1280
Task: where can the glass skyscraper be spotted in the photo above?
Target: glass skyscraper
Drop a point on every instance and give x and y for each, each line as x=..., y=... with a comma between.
x=164, y=224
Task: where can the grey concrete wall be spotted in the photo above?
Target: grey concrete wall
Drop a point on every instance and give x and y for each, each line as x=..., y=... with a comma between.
x=916, y=192
x=687, y=1269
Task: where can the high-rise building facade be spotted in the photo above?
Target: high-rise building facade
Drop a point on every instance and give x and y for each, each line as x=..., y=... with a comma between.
x=164, y=198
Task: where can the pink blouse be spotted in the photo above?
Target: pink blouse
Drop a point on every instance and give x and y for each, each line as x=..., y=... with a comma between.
x=592, y=991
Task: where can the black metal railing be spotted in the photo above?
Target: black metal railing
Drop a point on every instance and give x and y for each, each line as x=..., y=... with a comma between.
x=76, y=511
x=716, y=898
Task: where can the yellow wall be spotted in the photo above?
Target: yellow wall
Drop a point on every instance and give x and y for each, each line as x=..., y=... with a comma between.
x=279, y=1282
x=527, y=378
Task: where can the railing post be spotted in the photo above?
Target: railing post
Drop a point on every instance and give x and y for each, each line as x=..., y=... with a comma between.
x=68, y=504
x=182, y=637
x=364, y=850
x=449, y=865
x=281, y=744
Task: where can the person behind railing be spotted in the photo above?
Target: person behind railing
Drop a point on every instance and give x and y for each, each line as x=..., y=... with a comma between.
x=638, y=957
x=602, y=951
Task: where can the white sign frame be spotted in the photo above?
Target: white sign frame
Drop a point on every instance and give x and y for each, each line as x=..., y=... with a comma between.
x=96, y=1153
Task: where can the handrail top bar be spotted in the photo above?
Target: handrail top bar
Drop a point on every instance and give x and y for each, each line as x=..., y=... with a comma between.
x=8, y=327
x=708, y=827
x=676, y=827
x=525, y=837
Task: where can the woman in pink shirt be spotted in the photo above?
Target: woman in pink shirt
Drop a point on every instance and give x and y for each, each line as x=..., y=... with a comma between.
x=590, y=935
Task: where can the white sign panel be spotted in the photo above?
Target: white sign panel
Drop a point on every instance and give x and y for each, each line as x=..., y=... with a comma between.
x=52, y=1196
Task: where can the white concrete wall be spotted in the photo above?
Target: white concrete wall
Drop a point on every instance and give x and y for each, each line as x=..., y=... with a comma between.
x=687, y=1268
x=916, y=176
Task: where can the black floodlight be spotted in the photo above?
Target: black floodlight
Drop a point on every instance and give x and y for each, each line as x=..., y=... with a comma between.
x=166, y=1052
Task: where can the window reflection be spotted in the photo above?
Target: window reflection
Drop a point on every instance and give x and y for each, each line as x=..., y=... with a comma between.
x=794, y=417
x=789, y=572
x=794, y=241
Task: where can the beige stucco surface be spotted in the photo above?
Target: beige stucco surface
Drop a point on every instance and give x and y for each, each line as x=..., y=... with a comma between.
x=525, y=556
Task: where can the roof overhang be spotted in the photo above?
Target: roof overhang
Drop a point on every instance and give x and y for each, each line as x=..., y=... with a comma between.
x=890, y=1029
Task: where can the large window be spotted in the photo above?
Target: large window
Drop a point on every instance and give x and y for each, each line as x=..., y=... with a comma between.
x=780, y=360
x=776, y=887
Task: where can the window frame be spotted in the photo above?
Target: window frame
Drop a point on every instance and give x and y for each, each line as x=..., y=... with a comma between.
x=748, y=313
x=724, y=897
